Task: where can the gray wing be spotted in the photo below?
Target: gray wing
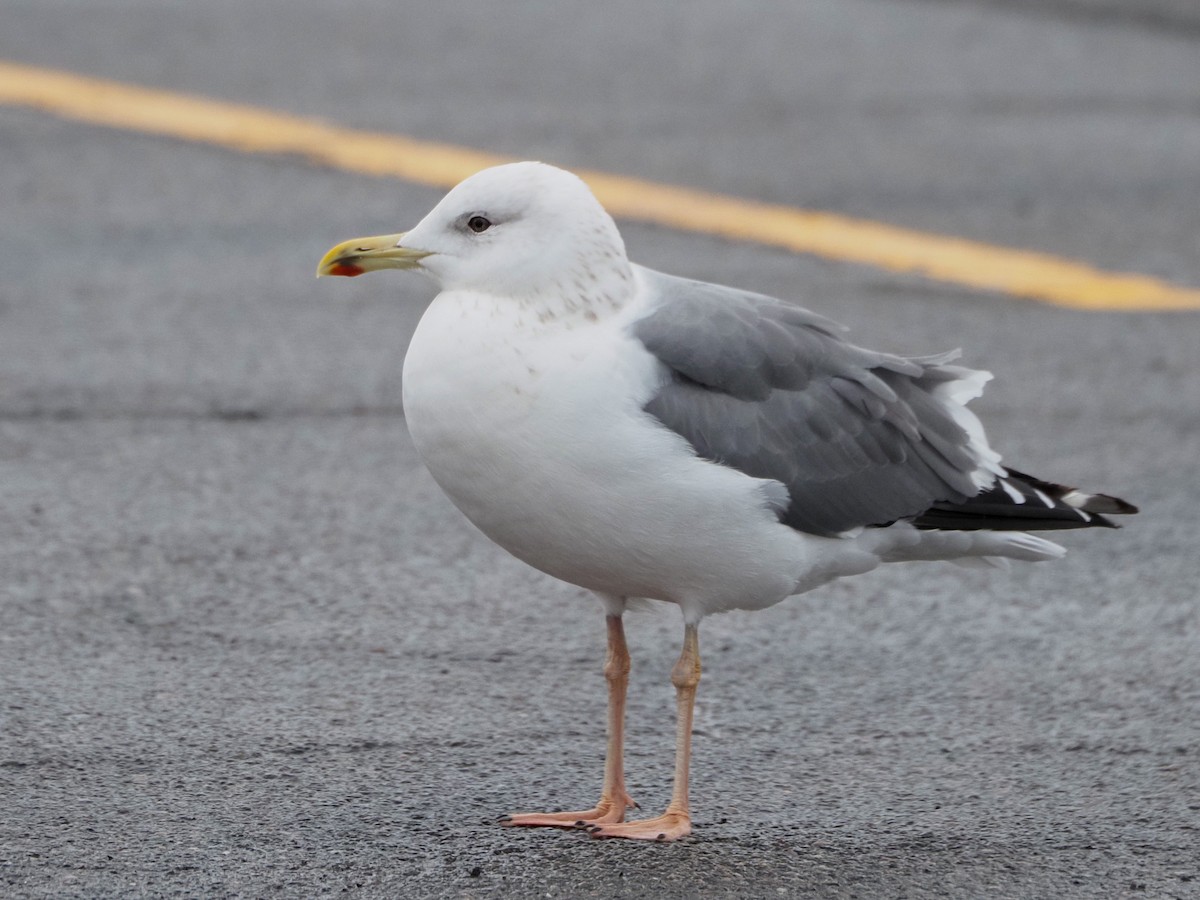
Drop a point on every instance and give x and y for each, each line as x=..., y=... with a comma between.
x=857, y=437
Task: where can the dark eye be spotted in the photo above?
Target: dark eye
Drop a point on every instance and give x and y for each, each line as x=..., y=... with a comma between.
x=478, y=224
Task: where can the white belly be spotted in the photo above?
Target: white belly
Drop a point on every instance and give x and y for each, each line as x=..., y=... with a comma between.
x=540, y=439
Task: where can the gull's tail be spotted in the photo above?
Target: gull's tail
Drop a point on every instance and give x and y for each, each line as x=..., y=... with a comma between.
x=979, y=548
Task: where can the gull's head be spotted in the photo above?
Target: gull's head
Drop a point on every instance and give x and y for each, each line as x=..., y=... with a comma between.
x=521, y=229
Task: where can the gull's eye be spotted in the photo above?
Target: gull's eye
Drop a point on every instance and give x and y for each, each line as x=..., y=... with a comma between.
x=478, y=224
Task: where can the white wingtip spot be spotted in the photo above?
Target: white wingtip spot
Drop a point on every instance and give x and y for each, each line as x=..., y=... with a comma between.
x=1013, y=494
x=1076, y=499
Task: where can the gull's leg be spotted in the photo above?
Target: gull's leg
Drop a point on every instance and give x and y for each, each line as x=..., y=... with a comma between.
x=613, y=798
x=676, y=821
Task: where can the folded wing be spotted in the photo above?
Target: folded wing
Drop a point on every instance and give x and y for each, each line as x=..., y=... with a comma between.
x=857, y=437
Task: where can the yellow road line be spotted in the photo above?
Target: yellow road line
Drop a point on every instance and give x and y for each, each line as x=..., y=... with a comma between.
x=249, y=129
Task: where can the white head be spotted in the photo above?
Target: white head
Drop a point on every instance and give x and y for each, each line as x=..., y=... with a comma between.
x=524, y=230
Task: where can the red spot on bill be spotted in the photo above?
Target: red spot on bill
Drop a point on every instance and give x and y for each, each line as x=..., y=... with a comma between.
x=347, y=269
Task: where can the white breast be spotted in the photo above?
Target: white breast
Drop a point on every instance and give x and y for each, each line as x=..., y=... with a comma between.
x=537, y=434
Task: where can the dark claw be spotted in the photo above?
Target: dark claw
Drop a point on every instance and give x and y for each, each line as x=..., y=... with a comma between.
x=581, y=824
x=661, y=837
x=504, y=819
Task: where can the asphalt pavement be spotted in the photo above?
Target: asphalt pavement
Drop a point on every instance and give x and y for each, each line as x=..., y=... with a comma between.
x=247, y=649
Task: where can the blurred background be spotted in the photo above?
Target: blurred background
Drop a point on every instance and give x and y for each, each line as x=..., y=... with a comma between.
x=246, y=647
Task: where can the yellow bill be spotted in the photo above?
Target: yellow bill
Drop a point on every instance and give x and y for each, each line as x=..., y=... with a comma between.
x=367, y=254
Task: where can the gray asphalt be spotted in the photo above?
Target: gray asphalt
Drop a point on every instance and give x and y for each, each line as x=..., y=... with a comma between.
x=248, y=650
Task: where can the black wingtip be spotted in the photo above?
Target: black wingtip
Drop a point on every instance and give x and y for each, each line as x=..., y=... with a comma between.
x=1113, y=506
x=1021, y=502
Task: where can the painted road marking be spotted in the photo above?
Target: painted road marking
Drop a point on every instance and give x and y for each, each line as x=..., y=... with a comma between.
x=249, y=129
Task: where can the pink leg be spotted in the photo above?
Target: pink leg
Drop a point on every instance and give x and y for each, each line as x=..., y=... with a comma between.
x=676, y=821
x=614, y=800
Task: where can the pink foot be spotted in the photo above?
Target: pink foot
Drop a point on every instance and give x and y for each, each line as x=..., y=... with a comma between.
x=607, y=812
x=667, y=827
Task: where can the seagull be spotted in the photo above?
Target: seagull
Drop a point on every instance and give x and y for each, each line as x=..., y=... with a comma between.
x=645, y=436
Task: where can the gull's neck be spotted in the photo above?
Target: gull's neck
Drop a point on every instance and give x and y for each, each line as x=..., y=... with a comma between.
x=587, y=294
x=594, y=286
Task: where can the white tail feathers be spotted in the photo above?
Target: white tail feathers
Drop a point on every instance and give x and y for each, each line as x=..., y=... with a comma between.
x=1029, y=547
x=975, y=549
